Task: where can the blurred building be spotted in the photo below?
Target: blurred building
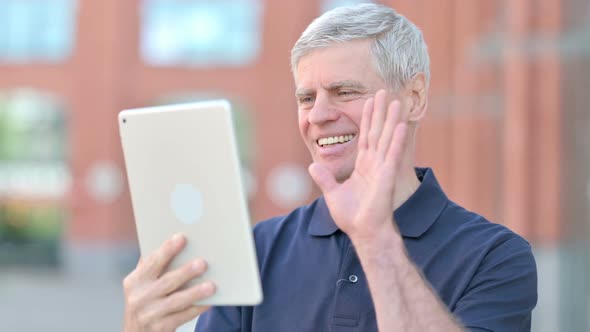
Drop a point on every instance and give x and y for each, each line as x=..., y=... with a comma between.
x=506, y=130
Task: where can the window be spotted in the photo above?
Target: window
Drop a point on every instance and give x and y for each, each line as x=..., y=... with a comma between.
x=200, y=33
x=36, y=30
x=34, y=177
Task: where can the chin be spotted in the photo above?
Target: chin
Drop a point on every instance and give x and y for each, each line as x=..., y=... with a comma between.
x=341, y=174
x=340, y=169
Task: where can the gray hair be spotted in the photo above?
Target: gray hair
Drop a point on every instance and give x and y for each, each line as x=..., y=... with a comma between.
x=397, y=45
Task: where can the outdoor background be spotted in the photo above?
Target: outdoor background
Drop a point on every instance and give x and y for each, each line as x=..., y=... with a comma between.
x=506, y=133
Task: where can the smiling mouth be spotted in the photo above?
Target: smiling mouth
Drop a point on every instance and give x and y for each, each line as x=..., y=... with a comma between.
x=333, y=140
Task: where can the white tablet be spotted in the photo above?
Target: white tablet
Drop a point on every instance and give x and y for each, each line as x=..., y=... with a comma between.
x=185, y=176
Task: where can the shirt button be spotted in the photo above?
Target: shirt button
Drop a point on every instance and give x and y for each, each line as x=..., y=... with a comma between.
x=352, y=278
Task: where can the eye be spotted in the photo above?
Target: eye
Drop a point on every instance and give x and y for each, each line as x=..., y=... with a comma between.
x=346, y=93
x=305, y=100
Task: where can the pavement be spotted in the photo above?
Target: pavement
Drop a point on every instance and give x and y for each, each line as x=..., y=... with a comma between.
x=48, y=300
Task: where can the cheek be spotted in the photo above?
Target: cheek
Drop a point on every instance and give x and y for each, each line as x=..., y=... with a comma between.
x=354, y=111
x=303, y=123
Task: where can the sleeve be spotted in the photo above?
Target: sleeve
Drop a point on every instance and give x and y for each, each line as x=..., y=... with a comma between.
x=503, y=292
x=220, y=319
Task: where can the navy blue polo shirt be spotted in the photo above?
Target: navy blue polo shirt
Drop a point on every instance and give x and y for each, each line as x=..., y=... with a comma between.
x=313, y=280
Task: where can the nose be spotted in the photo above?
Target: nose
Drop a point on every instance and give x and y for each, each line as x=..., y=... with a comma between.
x=322, y=111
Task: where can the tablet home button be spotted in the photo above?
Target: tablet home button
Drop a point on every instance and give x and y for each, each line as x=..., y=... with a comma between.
x=187, y=203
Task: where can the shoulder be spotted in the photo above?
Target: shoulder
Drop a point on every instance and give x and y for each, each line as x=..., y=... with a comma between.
x=500, y=272
x=282, y=228
x=273, y=226
x=478, y=231
x=497, y=252
x=480, y=247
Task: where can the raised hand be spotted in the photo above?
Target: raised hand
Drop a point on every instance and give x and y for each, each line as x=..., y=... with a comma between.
x=362, y=206
x=154, y=300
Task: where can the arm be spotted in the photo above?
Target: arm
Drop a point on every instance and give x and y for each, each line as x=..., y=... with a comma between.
x=362, y=207
x=403, y=300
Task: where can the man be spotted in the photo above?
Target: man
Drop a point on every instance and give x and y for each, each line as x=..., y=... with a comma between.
x=347, y=262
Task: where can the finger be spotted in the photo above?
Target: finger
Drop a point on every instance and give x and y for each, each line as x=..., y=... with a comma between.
x=365, y=124
x=391, y=122
x=378, y=119
x=177, y=319
x=322, y=177
x=178, y=301
x=155, y=264
x=173, y=280
x=129, y=281
x=397, y=147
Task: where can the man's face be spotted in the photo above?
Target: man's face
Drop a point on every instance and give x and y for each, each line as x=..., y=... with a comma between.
x=333, y=84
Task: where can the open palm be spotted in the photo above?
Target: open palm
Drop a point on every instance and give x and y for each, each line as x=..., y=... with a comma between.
x=363, y=204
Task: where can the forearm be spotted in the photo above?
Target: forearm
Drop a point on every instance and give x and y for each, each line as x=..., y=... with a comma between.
x=403, y=299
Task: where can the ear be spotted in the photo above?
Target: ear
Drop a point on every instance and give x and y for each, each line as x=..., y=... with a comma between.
x=417, y=93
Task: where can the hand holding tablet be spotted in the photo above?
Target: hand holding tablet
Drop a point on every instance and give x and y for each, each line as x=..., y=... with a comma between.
x=185, y=178
x=154, y=300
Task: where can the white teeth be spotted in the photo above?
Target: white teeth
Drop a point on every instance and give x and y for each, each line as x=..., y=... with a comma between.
x=335, y=139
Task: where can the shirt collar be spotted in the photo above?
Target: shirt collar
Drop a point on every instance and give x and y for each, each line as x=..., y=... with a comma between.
x=414, y=217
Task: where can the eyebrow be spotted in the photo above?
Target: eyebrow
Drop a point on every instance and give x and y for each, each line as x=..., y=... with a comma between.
x=334, y=86
x=303, y=92
x=346, y=84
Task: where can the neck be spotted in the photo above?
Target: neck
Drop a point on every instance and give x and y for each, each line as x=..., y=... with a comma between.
x=406, y=185
x=407, y=182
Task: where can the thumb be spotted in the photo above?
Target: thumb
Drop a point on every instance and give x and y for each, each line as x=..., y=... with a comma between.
x=322, y=177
